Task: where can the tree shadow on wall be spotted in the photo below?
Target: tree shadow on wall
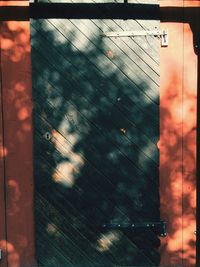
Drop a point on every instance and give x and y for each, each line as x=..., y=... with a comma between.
x=96, y=159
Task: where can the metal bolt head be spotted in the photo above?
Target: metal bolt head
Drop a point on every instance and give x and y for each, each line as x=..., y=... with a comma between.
x=123, y=131
x=163, y=235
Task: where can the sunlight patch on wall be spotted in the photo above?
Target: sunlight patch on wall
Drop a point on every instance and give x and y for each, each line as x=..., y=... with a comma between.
x=178, y=146
x=3, y=151
x=13, y=254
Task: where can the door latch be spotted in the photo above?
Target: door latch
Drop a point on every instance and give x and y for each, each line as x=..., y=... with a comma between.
x=162, y=34
x=48, y=136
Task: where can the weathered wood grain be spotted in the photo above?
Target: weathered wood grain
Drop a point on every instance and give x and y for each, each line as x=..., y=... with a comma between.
x=97, y=100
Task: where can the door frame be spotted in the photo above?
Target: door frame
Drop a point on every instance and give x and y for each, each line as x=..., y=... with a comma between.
x=3, y=246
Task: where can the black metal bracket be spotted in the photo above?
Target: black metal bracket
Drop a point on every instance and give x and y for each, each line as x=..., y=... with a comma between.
x=160, y=228
x=94, y=10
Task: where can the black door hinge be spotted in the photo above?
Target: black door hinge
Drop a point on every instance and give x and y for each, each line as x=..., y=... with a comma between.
x=160, y=228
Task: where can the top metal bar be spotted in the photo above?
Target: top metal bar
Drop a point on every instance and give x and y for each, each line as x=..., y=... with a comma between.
x=112, y=11
x=95, y=11
x=80, y=11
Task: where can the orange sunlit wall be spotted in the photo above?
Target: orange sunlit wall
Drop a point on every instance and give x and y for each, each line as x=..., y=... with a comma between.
x=16, y=173
x=177, y=142
x=178, y=106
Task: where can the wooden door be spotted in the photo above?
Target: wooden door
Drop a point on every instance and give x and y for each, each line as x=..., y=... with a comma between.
x=2, y=176
x=96, y=120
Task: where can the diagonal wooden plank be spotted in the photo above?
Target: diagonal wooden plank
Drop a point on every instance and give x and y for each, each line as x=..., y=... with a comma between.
x=122, y=137
x=109, y=136
x=109, y=100
x=120, y=102
x=96, y=31
x=105, y=195
x=129, y=52
x=105, y=65
x=137, y=99
x=96, y=254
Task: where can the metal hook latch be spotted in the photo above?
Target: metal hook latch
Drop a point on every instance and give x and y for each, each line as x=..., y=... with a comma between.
x=164, y=38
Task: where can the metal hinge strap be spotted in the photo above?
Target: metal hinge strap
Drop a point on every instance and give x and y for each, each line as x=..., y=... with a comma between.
x=159, y=227
x=163, y=34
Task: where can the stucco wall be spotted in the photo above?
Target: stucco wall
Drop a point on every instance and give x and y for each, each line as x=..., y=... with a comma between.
x=178, y=109
x=177, y=143
x=16, y=213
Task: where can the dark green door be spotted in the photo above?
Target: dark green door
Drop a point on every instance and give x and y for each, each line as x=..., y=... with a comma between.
x=96, y=118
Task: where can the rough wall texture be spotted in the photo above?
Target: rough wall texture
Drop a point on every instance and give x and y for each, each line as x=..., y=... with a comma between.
x=177, y=144
x=178, y=107
x=16, y=240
